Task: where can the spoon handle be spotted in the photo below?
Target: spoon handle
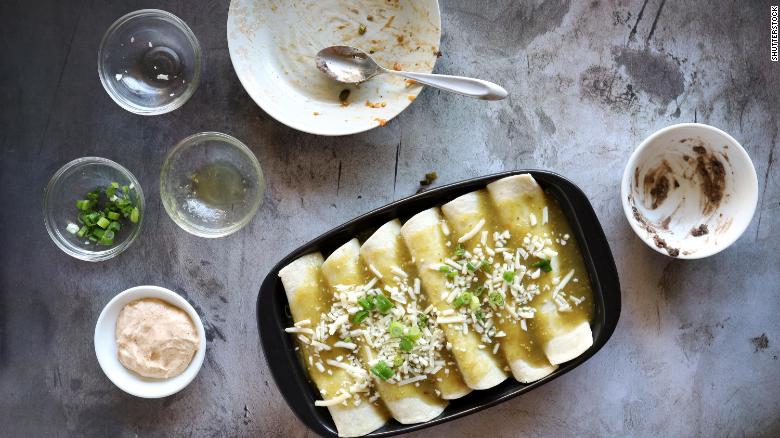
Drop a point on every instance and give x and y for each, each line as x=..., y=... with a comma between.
x=457, y=84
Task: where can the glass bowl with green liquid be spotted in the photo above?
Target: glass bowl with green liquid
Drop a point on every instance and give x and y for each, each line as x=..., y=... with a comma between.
x=211, y=184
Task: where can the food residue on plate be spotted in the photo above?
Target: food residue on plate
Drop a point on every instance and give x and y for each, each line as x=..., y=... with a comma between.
x=376, y=104
x=155, y=339
x=382, y=122
x=656, y=183
x=712, y=177
x=700, y=230
x=344, y=97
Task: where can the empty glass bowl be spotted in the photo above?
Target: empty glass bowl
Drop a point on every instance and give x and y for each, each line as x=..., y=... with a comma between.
x=211, y=184
x=70, y=184
x=149, y=62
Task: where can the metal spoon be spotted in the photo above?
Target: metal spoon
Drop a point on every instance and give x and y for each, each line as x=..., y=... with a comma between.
x=353, y=66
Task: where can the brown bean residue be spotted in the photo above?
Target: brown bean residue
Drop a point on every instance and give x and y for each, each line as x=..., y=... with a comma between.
x=656, y=183
x=712, y=176
x=700, y=230
x=651, y=229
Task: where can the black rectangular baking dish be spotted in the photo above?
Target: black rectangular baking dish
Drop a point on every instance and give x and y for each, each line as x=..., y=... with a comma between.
x=289, y=373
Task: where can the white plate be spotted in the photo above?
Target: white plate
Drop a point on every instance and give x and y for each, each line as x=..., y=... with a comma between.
x=273, y=44
x=106, y=350
x=666, y=224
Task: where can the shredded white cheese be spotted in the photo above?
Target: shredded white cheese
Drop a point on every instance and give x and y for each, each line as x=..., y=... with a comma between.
x=347, y=345
x=333, y=401
x=473, y=232
x=375, y=271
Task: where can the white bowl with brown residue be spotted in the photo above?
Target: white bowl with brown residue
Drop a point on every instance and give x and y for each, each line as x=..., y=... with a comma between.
x=689, y=190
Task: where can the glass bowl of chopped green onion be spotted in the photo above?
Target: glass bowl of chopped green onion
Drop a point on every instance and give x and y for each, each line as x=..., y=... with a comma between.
x=93, y=208
x=211, y=184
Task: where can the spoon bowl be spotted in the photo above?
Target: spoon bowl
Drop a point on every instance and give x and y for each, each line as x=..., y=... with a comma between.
x=347, y=64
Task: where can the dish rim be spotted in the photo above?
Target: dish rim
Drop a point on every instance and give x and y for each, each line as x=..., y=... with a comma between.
x=291, y=378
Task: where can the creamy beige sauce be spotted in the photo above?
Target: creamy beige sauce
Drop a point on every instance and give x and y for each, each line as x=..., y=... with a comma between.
x=155, y=339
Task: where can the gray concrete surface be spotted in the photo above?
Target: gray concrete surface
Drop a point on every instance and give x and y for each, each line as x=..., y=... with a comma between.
x=588, y=81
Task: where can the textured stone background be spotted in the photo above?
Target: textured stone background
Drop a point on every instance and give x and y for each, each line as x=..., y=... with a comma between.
x=588, y=81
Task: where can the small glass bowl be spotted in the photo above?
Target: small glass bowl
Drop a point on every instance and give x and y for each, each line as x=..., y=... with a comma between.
x=71, y=183
x=211, y=184
x=149, y=62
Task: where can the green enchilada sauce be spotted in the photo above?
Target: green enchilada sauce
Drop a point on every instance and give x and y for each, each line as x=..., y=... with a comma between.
x=309, y=302
x=549, y=322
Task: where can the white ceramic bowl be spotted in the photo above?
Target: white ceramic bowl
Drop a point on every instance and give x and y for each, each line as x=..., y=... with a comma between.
x=689, y=190
x=106, y=350
x=273, y=45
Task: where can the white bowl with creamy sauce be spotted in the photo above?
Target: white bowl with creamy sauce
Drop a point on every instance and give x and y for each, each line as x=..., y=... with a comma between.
x=273, y=45
x=107, y=346
x=689, y=190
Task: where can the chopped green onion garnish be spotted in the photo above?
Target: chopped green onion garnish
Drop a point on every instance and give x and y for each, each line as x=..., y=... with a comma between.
x=100, y=223
x=496, y=299
x=485, y=266
x=406, y=344
x=509, y=276
x=398, y=360
x=474, y=303
x=422, y=320
x=452, y=274
x=460, y=251
x=359, y=316
x=367, y=302
x=382, y=370
x=382, y=304
x=396, y=329
x=470, y=266
x=462, y=300
x=414, y=333
x=544, y=264
x=444, y=268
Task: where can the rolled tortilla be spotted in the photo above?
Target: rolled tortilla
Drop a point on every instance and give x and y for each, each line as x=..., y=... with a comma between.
x=520, y=204
x=408, y=403
x=426, y=243
x=525, y=356
x=384, y=251
x=308, y=298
